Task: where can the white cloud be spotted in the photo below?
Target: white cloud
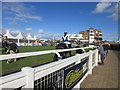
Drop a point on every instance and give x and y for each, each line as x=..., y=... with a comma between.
x=101, y=7
x=13, y=23
x=28, y=29
x=81, y=12
x=115, y=12
x=40, y=36
x=108, y=7
x=48, y=35
x=58, y=36
x=24, y=17
x=114, y=16
x=45, y=36
x=19, y=12
x=34, y=17
x=9, y=18
x=41, y=31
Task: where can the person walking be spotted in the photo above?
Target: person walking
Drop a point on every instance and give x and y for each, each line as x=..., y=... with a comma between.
x=105, y=46
x=101, y=52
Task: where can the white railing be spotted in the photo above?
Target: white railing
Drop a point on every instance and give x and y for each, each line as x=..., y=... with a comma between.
x=27, y=54
x=30, y=77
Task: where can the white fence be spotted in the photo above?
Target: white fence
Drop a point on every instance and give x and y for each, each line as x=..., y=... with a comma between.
x=49, y=75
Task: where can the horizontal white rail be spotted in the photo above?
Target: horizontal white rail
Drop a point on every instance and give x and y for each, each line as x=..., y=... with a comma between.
x=12, y=77
x=14, y=80
x=27, y=54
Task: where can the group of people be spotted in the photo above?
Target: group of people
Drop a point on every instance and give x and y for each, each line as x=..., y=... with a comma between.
x=103, y=51
x=10, y=48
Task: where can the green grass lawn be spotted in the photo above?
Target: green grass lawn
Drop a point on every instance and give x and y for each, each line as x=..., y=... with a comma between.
x=34, y=48
x=27, y=61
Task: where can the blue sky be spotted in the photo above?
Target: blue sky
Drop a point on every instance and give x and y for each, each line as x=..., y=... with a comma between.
x=51, y=19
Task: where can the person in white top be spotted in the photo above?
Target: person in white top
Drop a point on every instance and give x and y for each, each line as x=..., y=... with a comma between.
x=66, y=40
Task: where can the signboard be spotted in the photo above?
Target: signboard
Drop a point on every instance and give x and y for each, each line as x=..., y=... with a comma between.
x=74, y=74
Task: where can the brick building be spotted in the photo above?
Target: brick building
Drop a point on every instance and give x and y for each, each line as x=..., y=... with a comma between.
x=91, y=35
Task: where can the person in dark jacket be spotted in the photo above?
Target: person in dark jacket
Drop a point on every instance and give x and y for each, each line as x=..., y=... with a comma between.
x=105, y=46
x=101, y=52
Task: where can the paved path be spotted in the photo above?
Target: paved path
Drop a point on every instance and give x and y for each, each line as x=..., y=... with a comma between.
x=104, y=76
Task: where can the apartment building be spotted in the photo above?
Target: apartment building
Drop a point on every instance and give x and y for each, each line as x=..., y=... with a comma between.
x=91, y=35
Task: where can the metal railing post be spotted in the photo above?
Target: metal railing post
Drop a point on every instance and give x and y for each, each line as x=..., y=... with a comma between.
x=29, y=77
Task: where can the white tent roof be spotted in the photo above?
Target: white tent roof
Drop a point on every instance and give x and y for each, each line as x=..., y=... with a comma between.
x=9, y=35
x=29, y=37
x=35, y=37
x=19, y=36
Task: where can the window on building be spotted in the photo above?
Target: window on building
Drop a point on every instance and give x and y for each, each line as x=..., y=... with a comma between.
x=91, y=31
x=96, y=38
x=91, y=34
x=100, y=34
x=100, y=38
x=96, y=34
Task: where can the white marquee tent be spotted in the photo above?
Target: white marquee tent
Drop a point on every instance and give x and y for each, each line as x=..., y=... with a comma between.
x=29, y=37
x=19, y=36
x=21, y=40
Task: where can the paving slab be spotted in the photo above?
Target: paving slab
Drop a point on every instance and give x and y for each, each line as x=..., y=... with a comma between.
x=104, y=76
